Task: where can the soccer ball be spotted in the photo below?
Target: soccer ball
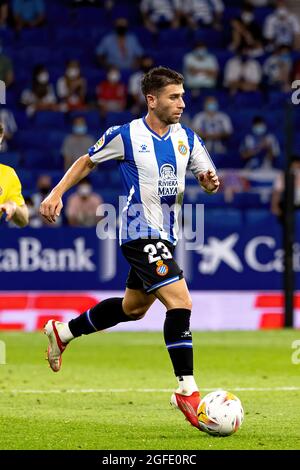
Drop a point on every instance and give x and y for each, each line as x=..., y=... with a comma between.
x=220, y=413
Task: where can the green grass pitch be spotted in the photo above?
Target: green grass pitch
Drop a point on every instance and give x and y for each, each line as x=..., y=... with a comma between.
x=114, y=388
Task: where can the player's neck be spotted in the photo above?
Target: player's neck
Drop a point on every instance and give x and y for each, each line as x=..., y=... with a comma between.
x=156, y=125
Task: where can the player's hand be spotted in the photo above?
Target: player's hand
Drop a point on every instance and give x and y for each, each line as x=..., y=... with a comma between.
x=9, y=208
x=209, y=181
x=51, y=207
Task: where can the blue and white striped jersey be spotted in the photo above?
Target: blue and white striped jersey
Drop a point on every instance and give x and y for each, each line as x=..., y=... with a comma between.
x=153, y=171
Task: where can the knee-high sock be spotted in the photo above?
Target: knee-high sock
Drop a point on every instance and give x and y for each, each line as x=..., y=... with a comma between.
x=104, y=315
x=178, y=339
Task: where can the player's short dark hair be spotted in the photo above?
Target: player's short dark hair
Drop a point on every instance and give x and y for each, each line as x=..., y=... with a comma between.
x=158, y=78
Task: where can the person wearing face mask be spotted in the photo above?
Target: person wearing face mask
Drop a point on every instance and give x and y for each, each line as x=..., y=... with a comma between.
x=81, y=206
x=242, y=73
x=200, y=68
x=43, y=185
x=214, y=126
x=6, y=68
x=277, y=69
x=71, y=88
x=74, y=144
x=41, y=96
x=120, y=48
x=282, y=27
x=111, y=93
x=136, y=97
x=259, y=147
x=245, y=32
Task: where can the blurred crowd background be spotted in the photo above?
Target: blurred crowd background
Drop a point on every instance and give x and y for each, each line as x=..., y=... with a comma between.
x=73, y=68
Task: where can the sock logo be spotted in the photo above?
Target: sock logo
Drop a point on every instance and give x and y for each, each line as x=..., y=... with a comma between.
x=186, y=334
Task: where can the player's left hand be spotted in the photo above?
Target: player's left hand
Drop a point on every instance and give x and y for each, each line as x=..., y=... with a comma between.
x=209, y=181
x=9, y=208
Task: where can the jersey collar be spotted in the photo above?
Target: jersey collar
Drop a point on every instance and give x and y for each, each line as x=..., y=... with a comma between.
x=163, y=137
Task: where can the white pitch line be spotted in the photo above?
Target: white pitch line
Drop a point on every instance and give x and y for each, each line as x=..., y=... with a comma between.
x=144, y=390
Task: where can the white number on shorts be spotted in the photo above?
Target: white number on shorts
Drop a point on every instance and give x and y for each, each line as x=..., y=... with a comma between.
x=152, y=251
x=166, y=254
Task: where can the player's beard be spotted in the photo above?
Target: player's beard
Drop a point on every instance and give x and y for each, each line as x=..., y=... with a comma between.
x=166, y=117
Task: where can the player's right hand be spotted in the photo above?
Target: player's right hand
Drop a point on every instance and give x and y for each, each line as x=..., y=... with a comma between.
x=51, y=207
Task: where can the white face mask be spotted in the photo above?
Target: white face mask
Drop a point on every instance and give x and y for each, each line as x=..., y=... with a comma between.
x=43, y=77
x=84, y=190
x=72, y=72
x=282, y=12
x=113, y=77
x=247, y=17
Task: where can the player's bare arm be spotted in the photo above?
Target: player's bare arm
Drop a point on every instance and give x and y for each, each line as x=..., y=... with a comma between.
x=52, y=205
x=209, y=181
x=18, y=214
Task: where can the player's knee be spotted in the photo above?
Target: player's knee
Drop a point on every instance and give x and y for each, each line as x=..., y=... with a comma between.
x=135, y=313
x=180, y=302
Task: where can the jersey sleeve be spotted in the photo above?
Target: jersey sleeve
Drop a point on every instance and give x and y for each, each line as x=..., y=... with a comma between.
x=109, y=147
x=15, y=190
x=199, y=160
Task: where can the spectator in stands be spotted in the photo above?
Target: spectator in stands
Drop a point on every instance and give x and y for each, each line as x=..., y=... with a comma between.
x=82, y=206
x=41, y=96
x=120, y=48
x=76, y=143
x=3, y=13
x=71, y=88
x=35, y=221
x=278, y=68
x=199, y=13
x=200, y=68
x=44, y=186
x=158, y=14
x=278, y=193
x=28, y=13
x=242, y=73
x=246, y=32
x=213, y=126
x=6, y=68
x=282, y=27
x=296, y=70
x=259, y=147
x=111, y=93
x=9, y=126
x=136, y=97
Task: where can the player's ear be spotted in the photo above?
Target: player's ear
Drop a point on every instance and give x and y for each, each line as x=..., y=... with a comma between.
x=151, y=101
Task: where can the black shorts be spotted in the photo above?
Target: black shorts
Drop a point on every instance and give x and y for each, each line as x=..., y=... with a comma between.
x=152, y=264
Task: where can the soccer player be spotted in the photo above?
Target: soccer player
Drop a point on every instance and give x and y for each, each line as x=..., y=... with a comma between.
x=153, y=153
x=11, y=199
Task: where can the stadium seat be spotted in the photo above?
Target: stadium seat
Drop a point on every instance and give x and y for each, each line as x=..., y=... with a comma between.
x=117, y=119
x=258, y=216
x=224, y=218
x=10, y=158
x=49, y=119
x=247, y=200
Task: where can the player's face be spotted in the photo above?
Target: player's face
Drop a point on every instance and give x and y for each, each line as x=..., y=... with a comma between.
x=168, y=105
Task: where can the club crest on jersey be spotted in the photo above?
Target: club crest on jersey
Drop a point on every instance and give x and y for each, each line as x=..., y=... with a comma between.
x=182, y=148
x=168, y=182
x=162, y=269
x=99, y=144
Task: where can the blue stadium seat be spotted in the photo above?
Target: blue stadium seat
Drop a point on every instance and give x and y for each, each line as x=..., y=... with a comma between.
x=27, y=179
x=251, y=99
x=258, y=216
x=247, y=200
x=49, y=119
x=10, y=158
x=37, y=159
x=117, y=119
x=224, y=218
